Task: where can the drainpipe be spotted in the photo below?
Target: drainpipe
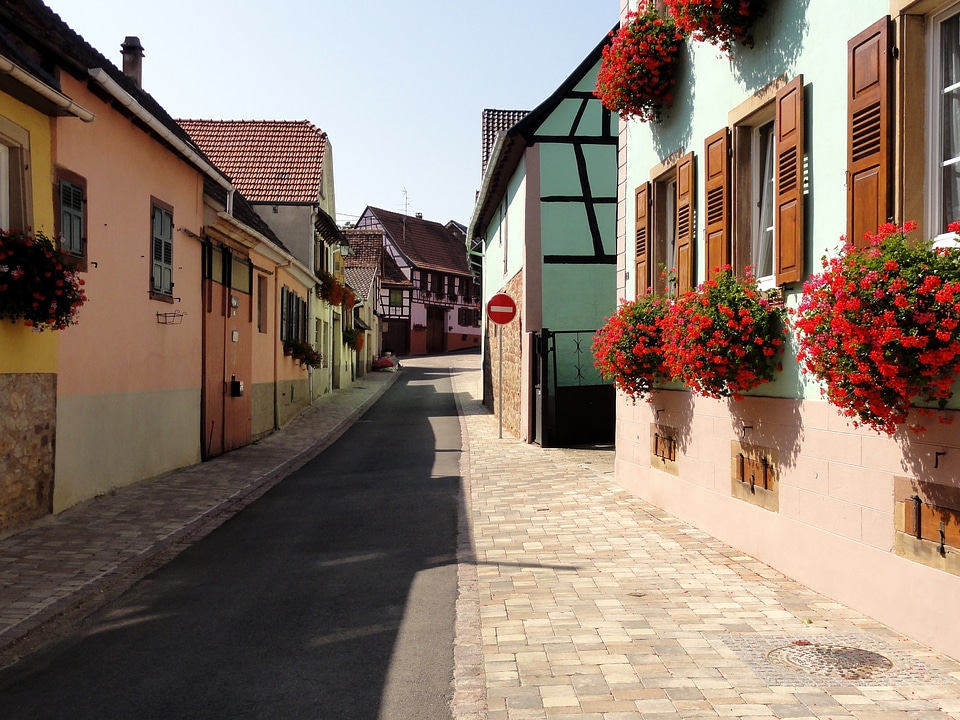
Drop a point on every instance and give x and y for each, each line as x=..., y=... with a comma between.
x=276, y=362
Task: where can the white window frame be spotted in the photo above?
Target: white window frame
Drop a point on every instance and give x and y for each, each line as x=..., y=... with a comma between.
x=935, y=222
x=764, y=174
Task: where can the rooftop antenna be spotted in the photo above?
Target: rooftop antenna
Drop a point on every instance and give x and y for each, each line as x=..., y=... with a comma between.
x=406, y=207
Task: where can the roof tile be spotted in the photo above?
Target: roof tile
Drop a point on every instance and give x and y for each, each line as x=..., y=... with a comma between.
x=428, y=245
x=268, y=160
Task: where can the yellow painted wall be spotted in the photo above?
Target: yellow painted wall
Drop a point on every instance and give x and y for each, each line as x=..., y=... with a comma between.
x=23, y=350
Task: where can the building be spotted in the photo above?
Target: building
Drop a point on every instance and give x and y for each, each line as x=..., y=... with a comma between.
x=545, y=218
x=285, y=171
x=842, y=115
x=442, y=314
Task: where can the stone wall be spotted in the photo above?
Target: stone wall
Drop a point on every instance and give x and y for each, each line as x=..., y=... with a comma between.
x=511, y=335
x=28, y=417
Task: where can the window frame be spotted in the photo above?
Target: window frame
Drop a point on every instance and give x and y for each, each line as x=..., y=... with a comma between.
x=16, y=195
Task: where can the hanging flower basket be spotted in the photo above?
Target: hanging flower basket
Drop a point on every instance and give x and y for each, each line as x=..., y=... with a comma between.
x=639, y=67
x=880, y=327
x=302, y=353
x=38, y=285
x=724, y=338
x=719, y=22
x=628, y=349
x=353, y=338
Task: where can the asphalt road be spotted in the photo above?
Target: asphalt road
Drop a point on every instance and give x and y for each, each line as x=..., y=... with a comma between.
x=330, y=597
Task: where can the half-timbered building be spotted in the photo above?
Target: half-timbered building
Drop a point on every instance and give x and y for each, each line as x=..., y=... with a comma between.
x=545, y=218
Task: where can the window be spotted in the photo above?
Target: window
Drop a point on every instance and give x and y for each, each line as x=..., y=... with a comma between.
x=664, y=229
x=766, y=188
x=293, y=316
x=396, y=298
x=755, y=153
x=162, y=249
x=944, y=119
x=16, y=211
x=70, y=213
x=468, y=317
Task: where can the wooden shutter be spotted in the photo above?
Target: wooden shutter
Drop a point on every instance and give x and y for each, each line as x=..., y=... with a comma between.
x=71, y=218
x=162, y=251
x=788, y=217
x=869, y=148
x=716, y=170
x=685, y=206
x=642, y=234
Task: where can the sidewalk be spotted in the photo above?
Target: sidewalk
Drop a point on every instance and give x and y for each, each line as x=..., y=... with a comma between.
x=60, y=568
x=593, y=604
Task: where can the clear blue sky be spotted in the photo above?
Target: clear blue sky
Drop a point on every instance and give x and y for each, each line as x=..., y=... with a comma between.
x=398, y=85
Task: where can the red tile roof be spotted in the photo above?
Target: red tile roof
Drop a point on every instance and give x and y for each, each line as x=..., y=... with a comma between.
x=278, y=161
x=427, y=244
x=366, y=246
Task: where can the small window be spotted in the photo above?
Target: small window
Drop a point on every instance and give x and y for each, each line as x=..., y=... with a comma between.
x=396, y=298
x=162, y=249
x=70, y=198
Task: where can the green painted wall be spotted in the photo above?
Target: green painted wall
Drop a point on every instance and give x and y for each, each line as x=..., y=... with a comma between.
x=710, y=85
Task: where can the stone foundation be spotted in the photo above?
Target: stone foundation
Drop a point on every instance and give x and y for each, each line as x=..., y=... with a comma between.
x=28, y=417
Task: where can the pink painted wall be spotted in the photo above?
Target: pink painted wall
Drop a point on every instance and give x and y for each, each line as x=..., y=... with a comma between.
x=128, y=386
x=835, y=527
x=124, y=167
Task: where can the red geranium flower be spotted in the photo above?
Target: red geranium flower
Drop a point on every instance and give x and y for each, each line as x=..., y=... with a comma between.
x=880, y=329
x=719, y=22
x=38, y=286
x=638, y=69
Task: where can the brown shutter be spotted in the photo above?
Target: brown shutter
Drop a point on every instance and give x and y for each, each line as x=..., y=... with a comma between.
x=788, y=221
x=868, y=131
x=685, y=205
x=716, y=161
x=642, y=269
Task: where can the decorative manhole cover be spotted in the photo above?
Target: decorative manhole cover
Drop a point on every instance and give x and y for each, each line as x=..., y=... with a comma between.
x=831, y=661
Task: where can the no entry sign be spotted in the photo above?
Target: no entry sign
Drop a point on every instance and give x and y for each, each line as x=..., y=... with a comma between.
x=501, y=309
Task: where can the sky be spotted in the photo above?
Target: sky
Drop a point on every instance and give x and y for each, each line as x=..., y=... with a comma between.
x=399, y=86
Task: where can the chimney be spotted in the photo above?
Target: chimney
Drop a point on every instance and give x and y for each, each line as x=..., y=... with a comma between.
x=419, y=216
x=133, y=59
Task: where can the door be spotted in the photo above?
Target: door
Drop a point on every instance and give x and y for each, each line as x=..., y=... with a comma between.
x=436, y=329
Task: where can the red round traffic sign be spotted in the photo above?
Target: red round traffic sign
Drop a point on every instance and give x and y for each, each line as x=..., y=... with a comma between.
x=501, y=309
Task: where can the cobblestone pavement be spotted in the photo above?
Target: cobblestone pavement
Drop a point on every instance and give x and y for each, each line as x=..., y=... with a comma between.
x=58, y=569
x=594, y=604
